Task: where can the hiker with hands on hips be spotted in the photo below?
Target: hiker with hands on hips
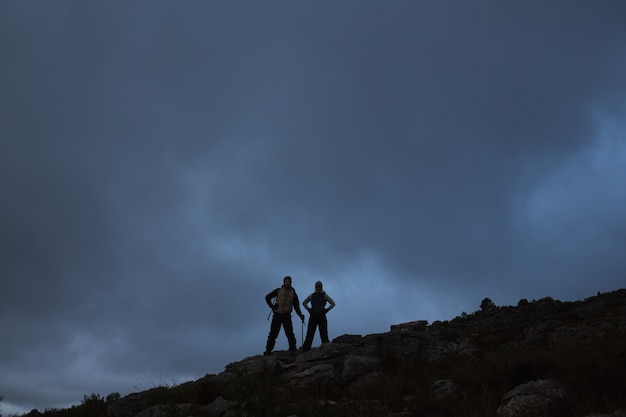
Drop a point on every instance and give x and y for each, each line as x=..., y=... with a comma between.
x=317, y=317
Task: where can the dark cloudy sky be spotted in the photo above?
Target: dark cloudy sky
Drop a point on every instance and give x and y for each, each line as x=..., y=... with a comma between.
x=164, y=164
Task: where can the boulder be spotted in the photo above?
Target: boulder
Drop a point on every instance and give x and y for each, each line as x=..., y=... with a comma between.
x=127, y=406
x=540, y=398
x=445, y=389
x=356, y=365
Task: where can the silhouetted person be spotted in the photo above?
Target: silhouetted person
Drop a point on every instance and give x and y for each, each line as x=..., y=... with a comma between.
x=286, y=300
x=317, y=315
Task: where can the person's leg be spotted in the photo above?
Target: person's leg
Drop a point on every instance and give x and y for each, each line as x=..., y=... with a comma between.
x=323, y=323
x=271, y=338
x=288, y=326
x=310, y=334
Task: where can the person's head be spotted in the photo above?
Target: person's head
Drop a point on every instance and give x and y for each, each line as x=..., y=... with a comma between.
x=287, y=281
x=318, y=286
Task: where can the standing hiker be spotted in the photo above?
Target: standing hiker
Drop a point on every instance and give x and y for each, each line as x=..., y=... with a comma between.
x=286, y=300
x=317, y=315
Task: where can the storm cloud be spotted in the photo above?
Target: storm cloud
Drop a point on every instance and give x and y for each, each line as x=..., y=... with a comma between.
x=164, y=165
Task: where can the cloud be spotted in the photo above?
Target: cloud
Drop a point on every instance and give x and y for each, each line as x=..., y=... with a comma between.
x=162, y=168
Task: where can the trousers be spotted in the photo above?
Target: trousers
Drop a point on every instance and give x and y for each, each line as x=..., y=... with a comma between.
x=314, y=322
x=279, y=320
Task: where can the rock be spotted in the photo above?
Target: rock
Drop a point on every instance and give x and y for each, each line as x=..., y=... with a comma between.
x=412, y=325
x=154, y=411
x=127, y=406
x=170, y=410
x=323, y=373
x=350, y=339
x=252, y=365
x=445, y=389
x=619, y=413
x=356, y=365
x=218, y=407
x=541, y=398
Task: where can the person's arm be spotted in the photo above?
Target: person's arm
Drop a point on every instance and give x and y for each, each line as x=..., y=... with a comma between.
x=296, y=305
x=330, y=301
x=268, y=298
x=306, y=301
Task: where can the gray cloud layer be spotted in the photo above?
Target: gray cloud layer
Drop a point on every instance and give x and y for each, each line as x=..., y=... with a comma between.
x=164, y=165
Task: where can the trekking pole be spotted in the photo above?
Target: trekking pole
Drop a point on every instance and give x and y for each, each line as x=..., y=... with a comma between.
x=271, y=309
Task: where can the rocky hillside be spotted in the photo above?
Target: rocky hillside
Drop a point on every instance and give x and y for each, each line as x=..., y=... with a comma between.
x=539, y=358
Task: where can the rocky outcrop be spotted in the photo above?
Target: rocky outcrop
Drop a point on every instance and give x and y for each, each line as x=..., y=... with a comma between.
x=128, y=406
x=365, y=364
x=541, y=398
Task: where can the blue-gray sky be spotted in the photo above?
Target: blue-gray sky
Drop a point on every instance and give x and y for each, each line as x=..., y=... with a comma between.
x=164, y=164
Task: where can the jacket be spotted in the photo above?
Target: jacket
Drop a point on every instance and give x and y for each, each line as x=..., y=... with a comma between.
x=318, y=302
x=286, y=300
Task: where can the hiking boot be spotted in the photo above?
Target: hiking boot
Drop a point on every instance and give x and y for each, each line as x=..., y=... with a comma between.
x=267, y=353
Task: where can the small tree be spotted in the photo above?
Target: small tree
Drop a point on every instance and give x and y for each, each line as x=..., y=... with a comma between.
x=487, y=305
x=112, y=397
